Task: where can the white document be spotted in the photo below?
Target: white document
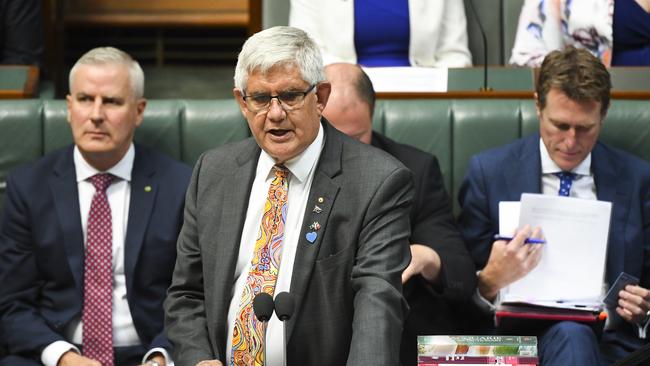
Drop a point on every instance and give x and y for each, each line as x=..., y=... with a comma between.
x=508, y=217
x=572, y=267
x=407, y=79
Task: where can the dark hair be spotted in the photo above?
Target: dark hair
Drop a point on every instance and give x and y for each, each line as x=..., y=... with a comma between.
x=365, y=91
x=576, y=73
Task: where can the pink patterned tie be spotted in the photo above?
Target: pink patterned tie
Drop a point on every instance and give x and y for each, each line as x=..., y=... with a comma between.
x=249, y=333
x=98, y=277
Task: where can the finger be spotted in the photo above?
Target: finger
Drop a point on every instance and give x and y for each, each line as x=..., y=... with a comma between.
x=520, y=237
x=631, y=297
x=625, y=314
x=633, y=308
x=639, y=291
x=408, y=273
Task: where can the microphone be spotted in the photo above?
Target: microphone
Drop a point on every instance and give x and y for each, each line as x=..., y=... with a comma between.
x=485, y=47
x=263, y=309
x=263, y=306
x=284, y=306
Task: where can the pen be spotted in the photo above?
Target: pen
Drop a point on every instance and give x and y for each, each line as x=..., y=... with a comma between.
x=528, y=240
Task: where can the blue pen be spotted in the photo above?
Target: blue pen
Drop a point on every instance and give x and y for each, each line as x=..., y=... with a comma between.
x=528, y=240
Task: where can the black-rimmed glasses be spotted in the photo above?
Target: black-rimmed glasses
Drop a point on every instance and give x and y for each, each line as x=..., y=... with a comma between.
x=289, y=100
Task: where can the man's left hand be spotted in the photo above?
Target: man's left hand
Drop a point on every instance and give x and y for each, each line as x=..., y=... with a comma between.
x=424, y=261
x=158, y=358
x=633, y=304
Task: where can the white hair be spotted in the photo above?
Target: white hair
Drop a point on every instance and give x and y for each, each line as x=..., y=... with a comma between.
x=112, y=55
x=279, y=46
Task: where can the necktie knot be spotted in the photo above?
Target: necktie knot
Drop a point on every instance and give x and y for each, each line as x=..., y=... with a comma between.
x=566, y=180
x=101, y=181
x=280, y=171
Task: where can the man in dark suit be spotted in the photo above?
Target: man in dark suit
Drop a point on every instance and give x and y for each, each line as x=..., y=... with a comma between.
x=87, y=239
x=335, y=218
x=572, y=96
x=441, y=274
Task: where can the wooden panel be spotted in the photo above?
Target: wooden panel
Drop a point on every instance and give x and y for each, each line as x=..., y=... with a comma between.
x=18, y=81
x=145, y=13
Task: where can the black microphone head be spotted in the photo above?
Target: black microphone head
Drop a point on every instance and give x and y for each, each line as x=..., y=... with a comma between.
x=263, y=306
x=284, y=306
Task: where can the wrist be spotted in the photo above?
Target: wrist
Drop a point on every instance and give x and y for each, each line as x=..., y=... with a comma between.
x=486, y=286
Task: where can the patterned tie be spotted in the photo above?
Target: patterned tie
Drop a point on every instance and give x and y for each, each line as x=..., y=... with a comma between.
x=98, y=277
x=249, y=333
x=566, y=179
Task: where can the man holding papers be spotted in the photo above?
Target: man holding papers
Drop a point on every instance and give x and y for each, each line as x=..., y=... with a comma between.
x=566, y=159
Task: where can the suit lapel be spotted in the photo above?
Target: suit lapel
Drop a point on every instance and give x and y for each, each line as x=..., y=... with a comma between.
x=322, y=194
x=144, y=189
x=525, y=174
x=226, y=232
x=612, y=189
x=63, y=185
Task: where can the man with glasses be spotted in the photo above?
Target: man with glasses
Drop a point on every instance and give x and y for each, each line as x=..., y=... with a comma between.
x=301, y=208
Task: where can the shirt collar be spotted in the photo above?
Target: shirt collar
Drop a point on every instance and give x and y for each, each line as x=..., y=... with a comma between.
x=299, y=166
x=120, y=170
x=549, y=166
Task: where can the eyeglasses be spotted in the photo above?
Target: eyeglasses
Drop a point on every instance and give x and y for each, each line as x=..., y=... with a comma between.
x=289, y=100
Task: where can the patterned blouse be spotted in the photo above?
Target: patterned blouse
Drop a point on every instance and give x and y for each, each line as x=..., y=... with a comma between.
x=547, y=25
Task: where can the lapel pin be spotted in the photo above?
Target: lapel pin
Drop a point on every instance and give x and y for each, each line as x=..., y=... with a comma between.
x=147, y=188
x=314, y=226
x=317, y=209
x=311, y=236
x=321, y=200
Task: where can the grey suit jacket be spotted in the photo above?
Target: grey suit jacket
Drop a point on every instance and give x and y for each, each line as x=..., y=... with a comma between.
x=347, y=284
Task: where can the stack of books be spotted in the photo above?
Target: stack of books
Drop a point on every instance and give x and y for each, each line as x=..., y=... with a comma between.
x=477, y=350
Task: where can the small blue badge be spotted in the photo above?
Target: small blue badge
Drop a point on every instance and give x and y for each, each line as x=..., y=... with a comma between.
x=311, y=236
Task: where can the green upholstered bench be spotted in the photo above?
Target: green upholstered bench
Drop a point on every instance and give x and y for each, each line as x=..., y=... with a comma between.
x=453, y=130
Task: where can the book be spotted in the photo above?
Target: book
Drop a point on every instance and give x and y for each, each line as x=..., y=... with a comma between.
x=476, y=345
x=478, y=360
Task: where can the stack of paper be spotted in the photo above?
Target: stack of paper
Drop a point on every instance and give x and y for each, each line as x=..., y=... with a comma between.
x=477, y=350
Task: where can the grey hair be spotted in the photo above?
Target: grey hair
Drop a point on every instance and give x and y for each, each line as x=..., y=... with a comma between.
x=112, y=55
x=279, y=46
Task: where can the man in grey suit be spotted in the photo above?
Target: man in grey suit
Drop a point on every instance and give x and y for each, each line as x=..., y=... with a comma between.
x=336, y=237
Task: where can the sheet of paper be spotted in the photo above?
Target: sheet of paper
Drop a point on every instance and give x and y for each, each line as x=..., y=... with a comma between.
x=408, y=79
x=573, y=260
x=508, y=217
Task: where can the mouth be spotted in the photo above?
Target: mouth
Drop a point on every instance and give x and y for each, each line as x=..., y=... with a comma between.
x=279, y=135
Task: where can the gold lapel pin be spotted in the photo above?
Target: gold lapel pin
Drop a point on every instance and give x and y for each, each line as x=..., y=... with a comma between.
x=321, y=200
x=147, y=188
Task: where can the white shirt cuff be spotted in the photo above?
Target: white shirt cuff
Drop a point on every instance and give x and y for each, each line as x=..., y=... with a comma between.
x=642, y=329
x=52, y=353
x=168, y=359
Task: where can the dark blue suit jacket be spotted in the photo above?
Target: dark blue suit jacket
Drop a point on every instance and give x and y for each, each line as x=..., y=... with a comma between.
x=42, y=249
x=504, y=173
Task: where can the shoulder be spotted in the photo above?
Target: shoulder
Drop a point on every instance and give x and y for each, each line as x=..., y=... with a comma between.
x=162, y=163
x=410, y=156
x=632, y=164
x=42, y=167
x=229, y=155
x=515, y=149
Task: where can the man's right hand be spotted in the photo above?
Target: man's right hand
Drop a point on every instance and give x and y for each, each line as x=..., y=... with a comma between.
x=509, y=261
x=210, y=363
x=72, y=358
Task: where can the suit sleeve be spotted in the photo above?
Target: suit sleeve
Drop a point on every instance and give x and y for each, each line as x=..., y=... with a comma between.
x=476, y=226
x=382, y=255
x=185, y=317
x=435, y=227
x=24, y=329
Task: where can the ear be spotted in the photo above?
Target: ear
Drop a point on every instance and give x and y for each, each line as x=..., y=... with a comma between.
x=141, y=104
x=68, y=102
x=239, y=97
x=323, y=90
x=538, y=109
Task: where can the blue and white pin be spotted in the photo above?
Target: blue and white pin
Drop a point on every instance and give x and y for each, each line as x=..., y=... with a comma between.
x=313, y=235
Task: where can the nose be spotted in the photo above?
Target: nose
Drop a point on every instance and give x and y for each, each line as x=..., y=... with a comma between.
x=97, y=112
x=570, y=138
x=276, y=112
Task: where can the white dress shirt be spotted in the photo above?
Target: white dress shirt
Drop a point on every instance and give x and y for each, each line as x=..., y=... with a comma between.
x=118, y=193
x=302, y=169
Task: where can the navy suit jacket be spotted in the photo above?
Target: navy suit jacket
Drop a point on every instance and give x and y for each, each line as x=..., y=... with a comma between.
x=504, y=173
x=42, y=249
x=433, y=310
